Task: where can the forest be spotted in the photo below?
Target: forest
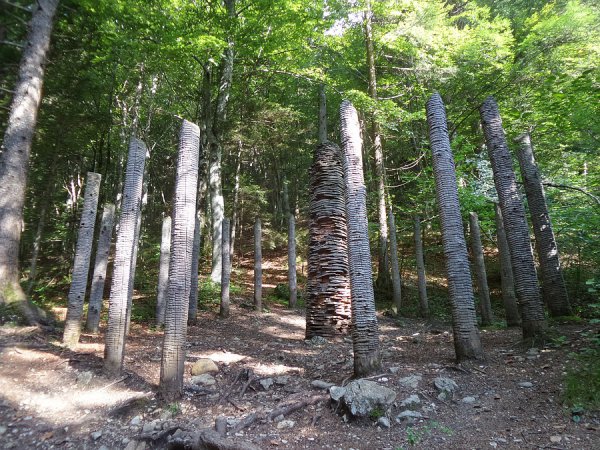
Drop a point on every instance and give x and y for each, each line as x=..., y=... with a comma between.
x=247, y=224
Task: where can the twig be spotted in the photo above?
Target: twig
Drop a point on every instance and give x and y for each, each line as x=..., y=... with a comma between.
x=124, y=377
x=250, y=379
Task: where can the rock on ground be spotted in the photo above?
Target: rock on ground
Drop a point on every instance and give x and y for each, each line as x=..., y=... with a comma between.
x=361, y=397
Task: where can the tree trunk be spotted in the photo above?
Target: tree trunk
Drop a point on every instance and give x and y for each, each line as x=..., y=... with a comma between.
x=513, y=213
x=467, y=342
x=193, y=306
x=81, y=264
x=396, y=281
x=479, y=262
x=509, y=298
x=114, y=348
x=226, y=278
x=365, y=335
x=257, y=266
x=182, y=241
x=36, y=247
x=136, y=246
x=322, y=114
x=422, y=280
x=163, y=273
x=14, y=159
x=383, y=276
x=100, y=265
x=236, y=201
x=328, y=300
x=554, y=290
x=292, y=260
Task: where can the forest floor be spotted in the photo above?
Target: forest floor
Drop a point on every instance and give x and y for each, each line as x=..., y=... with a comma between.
x=51, y=397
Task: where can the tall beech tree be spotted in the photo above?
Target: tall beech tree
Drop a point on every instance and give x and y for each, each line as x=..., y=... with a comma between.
x=467, y=342
x=365, y=333
x=182, y=241
x=480, y=272
x=163, y=271
x=554, y=290
x=515, y=224
x=16, y=150
x=421, y=279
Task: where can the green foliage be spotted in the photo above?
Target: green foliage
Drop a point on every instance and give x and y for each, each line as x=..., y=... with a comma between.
x=582, y=381
x=11, y=315
x=414, y=435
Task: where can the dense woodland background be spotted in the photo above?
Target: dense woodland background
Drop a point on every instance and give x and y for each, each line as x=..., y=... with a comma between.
x=118, y=68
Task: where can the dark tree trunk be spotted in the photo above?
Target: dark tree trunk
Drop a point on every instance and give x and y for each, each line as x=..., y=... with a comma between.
x=396, y=281
x=467, y=343
x=257, y=266
x=517, y=232
x=554, y=290
x=193, y=307
x=422, y=280
x=479, y=263
x=292, y=260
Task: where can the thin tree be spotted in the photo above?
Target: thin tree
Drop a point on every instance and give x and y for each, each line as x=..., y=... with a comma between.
x=515, y=224
x=479, y=262
x=328, y=301
x=509, y=298
x=236, y=201
x=396, y=281
x=365, y=334
x=554, y=290
x=226, y=272
x=422, y=280
x=182, y=241
x=467, y=342
x=292, y=261
x=193, y=306
x=14, y=158
x=114, y=348
x=257, y=266
x=163, y=272
x=100, y=266
x=81, y=263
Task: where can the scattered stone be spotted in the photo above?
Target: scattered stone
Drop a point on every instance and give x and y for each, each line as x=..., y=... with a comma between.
x=526, y=384
x=279, y=418
x=533, y=351
x=204, y=365
x=493, y=444
x=96, y=435
x=320, y=384
x=394, y=369
x=336, y=393
x=136, y=420
x=282, y=380
x=204, y=379
x=408, y=414
x=103, y=447
x=502, y=440
x=383, y=380
x=317, y=341
x=469, y=400
x=411, y=381
x=361, y=397
x=412, y=400
x=285, y=424
x=446, y=387
x=2, y=429
x=148, y=427
x=266, y=383
x=84, y=378
x=384, y=422
x=555, y=439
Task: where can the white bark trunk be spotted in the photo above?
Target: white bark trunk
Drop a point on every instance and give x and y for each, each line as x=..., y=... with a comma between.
x=226, y=273
x=163, y=273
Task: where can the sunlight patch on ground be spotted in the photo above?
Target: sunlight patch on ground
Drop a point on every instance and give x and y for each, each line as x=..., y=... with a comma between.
x=222, y=357
x=273, y=369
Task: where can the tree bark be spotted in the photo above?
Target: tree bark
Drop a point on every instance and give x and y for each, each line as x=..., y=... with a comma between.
x=37, y=243
x=100, y=266
x=509, y=298
x=422, y=280
x=479, y=262
x=14, y=158
x=515, y=224
x=163, y=273
x=467, y=342
x=396, y=281
x=292, y=261
x=114, y=348
x=554, y=290
x=322, y=114
x=226, y=273
x=328, y=300
x=193, y=306
x=236, y=201
x=81, y=264
x=182, y=240
x=365, y=335
x=257, y=266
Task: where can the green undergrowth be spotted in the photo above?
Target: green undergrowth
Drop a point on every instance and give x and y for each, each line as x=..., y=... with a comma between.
x=582, y=381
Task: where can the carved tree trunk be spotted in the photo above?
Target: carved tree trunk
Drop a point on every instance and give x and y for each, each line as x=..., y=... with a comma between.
x=365, y=335
x=114, y=349
x=292, y=260
x=257, y=266
x=193, y=306
x=554, y=290
x=81, y=264
x=467, y=343
x=163, y=273
x=100, y=266
x=182, y=241
x=328, y=308
x=14, y=159
x=396, y=281
x=226, y=273
x=513, y=213
x=509, y=298
x=479, y=262
x=422, y=280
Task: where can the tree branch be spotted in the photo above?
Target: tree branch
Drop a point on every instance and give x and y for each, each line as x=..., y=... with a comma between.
x=573, y=188
x=13, y=44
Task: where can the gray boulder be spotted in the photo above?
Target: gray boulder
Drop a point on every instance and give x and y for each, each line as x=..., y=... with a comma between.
x=446, y=387
x=361, y=397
